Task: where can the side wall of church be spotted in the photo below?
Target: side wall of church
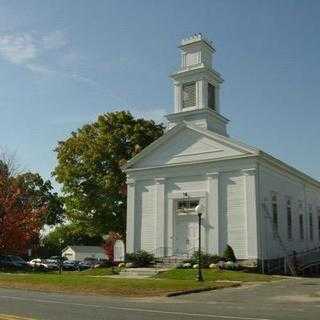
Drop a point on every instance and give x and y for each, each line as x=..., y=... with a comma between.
x=286, y=195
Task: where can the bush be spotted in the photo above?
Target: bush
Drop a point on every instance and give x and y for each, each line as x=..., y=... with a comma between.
x=140, y=258
x=206, y=259
x=229, y=254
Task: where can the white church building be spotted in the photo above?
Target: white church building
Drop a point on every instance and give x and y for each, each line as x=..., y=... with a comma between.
x=257, y=204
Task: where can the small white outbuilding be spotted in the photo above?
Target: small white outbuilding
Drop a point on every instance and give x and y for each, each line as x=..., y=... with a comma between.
x=79, y=253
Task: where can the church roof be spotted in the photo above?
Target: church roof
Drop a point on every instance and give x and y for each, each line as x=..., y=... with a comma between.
x=248, y=150
x=241, y=150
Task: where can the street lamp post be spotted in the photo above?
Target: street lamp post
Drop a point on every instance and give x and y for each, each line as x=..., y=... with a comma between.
x=60, y=262
x=199, y=212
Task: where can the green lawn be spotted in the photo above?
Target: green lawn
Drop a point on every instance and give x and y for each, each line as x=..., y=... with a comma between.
x=97, y=281
x=88, y=284
x=214, y=275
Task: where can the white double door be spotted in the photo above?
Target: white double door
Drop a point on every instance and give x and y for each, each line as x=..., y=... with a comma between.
x=186, y=234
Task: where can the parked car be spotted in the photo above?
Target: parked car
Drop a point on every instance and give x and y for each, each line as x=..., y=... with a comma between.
x=43, y=264
x=13, y=262
x=37, y=264
x=70, y=265
x=85, y=264
x=51, y=264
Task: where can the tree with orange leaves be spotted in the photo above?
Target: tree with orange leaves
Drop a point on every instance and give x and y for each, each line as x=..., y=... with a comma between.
x=20, y=222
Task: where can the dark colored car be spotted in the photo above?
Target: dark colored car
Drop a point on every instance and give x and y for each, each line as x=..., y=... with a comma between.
x=71, y=265
x=13, y=262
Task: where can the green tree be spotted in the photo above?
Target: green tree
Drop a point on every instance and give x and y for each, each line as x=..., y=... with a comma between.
x=89, y=168
x=69, y=234
x=41, y=194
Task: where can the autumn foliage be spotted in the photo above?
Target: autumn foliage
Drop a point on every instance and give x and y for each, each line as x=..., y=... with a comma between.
x=20, y=223
x=109, y=243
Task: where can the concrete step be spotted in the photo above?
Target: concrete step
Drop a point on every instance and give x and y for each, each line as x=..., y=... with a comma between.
x=139, y=272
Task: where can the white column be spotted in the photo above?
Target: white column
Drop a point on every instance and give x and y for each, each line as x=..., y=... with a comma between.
x=251, y=212
x=170, y=227
x=131, y=218
x=183, y=60
x=160, y=210
x=199, y=93
x=214, y=245
x=177, y=97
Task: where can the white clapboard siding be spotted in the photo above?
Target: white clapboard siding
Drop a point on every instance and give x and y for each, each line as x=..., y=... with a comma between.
x=234, y=213
x=148, y=219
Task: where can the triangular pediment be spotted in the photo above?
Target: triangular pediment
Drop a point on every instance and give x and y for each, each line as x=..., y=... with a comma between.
x=187, y=144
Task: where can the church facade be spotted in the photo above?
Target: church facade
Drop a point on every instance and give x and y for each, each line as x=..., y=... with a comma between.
x=257, y=204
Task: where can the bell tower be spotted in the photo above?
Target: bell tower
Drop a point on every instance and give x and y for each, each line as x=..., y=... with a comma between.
x=197, y=86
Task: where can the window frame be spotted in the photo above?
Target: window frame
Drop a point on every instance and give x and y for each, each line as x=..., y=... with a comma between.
x=211, y=97
x=301, y=220
x=194, y=103
x=289, y=214
x=311, y=236
x=275, y=213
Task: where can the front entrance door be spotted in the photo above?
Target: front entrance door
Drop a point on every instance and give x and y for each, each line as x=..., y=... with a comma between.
x=186, y=234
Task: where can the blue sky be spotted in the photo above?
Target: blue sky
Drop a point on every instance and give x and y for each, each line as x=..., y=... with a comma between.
x=65, y=62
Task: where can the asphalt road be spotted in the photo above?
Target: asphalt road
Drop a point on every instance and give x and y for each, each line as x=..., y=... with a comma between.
x=286, y=299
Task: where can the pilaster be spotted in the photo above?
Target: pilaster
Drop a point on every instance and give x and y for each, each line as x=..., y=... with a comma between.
x=214, y=245
x=251, y=211
x=131, y=218
x=177, y=97
x=160, y=209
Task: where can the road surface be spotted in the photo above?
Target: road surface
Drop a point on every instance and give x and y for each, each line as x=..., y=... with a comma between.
x=293, y=299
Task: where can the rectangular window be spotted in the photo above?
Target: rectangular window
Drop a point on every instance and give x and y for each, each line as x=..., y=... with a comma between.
x=289, y=219
x=186, y=205
x=310, y=223
x=211, y=97
x=189, y=95
x=274, y=205
x=301, y=227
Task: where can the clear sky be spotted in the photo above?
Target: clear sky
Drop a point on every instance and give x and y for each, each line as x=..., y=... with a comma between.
x=62, y=63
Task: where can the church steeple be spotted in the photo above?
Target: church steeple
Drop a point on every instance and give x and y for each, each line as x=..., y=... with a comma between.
x=196, y=87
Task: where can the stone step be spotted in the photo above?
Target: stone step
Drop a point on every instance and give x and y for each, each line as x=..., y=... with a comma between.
x=139, y=272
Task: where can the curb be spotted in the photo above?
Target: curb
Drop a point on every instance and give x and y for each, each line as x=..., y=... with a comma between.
x=185, y=292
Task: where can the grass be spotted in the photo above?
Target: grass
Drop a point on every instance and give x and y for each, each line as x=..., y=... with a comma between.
x=96, y=281
x=214, y=275
x=87, y=284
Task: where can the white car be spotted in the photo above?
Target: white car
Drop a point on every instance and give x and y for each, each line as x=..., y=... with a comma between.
x=37, y=263
x=43, y=264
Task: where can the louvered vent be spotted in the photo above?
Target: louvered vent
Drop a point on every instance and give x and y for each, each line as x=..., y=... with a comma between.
x=211, y=97
x=189, y=95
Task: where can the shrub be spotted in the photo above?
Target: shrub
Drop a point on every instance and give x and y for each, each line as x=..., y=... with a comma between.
x=229, y=254
x=140, y=258
x=206, y=259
